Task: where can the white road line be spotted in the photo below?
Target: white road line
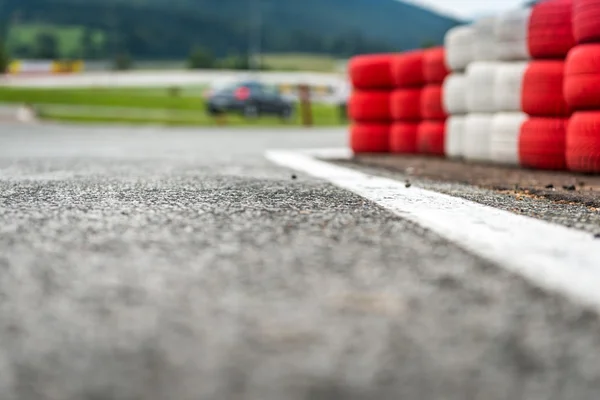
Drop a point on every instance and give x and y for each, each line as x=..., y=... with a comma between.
x=550, y=256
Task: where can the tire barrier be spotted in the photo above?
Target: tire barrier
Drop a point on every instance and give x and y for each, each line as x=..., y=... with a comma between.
x=519, y=88
x=480, y=81
x=371, y=71
x=406, y=104
x=484, y=46
x=455, y=131
x=431, y=103
x=454, y=97
x=459, y=43
x=543, y=89
x=582, y=77
x=542, y=143
x=550, y=33
x=510, y=33
x=434, y=65
x=583, y=142
x=407, y=69
x=508, y=86
x=370, y=138
x=430, y=137
x=403, y=137
x=369, y=106
x=504, y=137
x=586, y=14
x=476, y=138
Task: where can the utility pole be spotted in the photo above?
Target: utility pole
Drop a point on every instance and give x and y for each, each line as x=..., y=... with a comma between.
x=254, y=36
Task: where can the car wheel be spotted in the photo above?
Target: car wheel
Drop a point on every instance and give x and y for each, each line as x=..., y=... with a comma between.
x=250, y=111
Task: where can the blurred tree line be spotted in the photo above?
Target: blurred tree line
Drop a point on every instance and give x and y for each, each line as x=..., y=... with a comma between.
x=161, y=33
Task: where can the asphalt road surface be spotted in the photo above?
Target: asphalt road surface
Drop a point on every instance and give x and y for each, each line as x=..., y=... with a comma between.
x=180, y=264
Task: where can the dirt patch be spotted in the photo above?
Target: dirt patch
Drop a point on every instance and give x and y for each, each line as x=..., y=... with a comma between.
x=559, y=186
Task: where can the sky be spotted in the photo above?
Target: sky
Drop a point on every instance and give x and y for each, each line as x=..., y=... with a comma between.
x=469, y=8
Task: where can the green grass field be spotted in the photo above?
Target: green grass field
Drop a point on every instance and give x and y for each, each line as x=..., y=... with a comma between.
x=140, y=106
x=300, y=62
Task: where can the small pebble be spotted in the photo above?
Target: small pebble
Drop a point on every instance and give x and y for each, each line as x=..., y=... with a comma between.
x=407, y=184
x=550, y=186
x=597, y=236
x=294, y=176
x=569, y=188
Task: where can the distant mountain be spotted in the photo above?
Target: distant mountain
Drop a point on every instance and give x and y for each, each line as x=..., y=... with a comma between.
x=169, y=28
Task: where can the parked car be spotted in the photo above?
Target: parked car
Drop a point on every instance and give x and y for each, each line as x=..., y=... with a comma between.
x=250, y=99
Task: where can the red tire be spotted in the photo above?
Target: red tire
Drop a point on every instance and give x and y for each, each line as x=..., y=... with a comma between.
x=586, y=14
x=403, y=137
x=432, y=106
x=369, y=106
x=434, y=64
x=582, y=77
x=407, y=69
x=550, y=32
x=371, y=71
x=431, y=137
x=542, y=92
x=583, y=142
x=406, y=104
x=370, y=138
x=542, y=143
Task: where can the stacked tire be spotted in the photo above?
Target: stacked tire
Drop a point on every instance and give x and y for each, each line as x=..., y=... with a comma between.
x=432, y=131
x=458, y=45
x=512, y=52
x=369, y=103
x=582, y=89
x=542, y=140
x=408, y=79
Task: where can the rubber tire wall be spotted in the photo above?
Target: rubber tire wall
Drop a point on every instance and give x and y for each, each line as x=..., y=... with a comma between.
x=586, y=14
x=480, y=83
x=430, y=137
x=371, y=71
x=583, y=142
x=476, y=139
x=504, y=137
x=369, y=106
x=406, y=104
x=508, y=85
x=510, y=32
x=403, y=137
x=431, y=103
x=458, y=43
x=369, y=138
x=543, y=89
x=454, y=94
x=550, y=34
x=408, y=69
x=455, y=131
x=582, y=77
x=435, y=70
x=542, y=143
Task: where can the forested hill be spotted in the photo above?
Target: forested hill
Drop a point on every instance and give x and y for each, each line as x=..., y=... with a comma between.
x=169, y=28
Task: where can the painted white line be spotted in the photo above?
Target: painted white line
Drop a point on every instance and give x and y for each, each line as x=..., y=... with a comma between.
x=551, y=256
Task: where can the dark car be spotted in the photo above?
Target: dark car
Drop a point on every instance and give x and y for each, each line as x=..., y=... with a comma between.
x=250, y=99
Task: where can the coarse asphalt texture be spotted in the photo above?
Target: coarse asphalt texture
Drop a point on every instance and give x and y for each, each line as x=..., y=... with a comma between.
x=157, y=263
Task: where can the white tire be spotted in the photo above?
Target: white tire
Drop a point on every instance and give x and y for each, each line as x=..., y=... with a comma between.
x=484, y=43
x=510, y=32
x=508, y=85
x=476, y=138
x=455, y=94
x=455, y=131
x=480, y=87
x=504, y=139
x=458, y=44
